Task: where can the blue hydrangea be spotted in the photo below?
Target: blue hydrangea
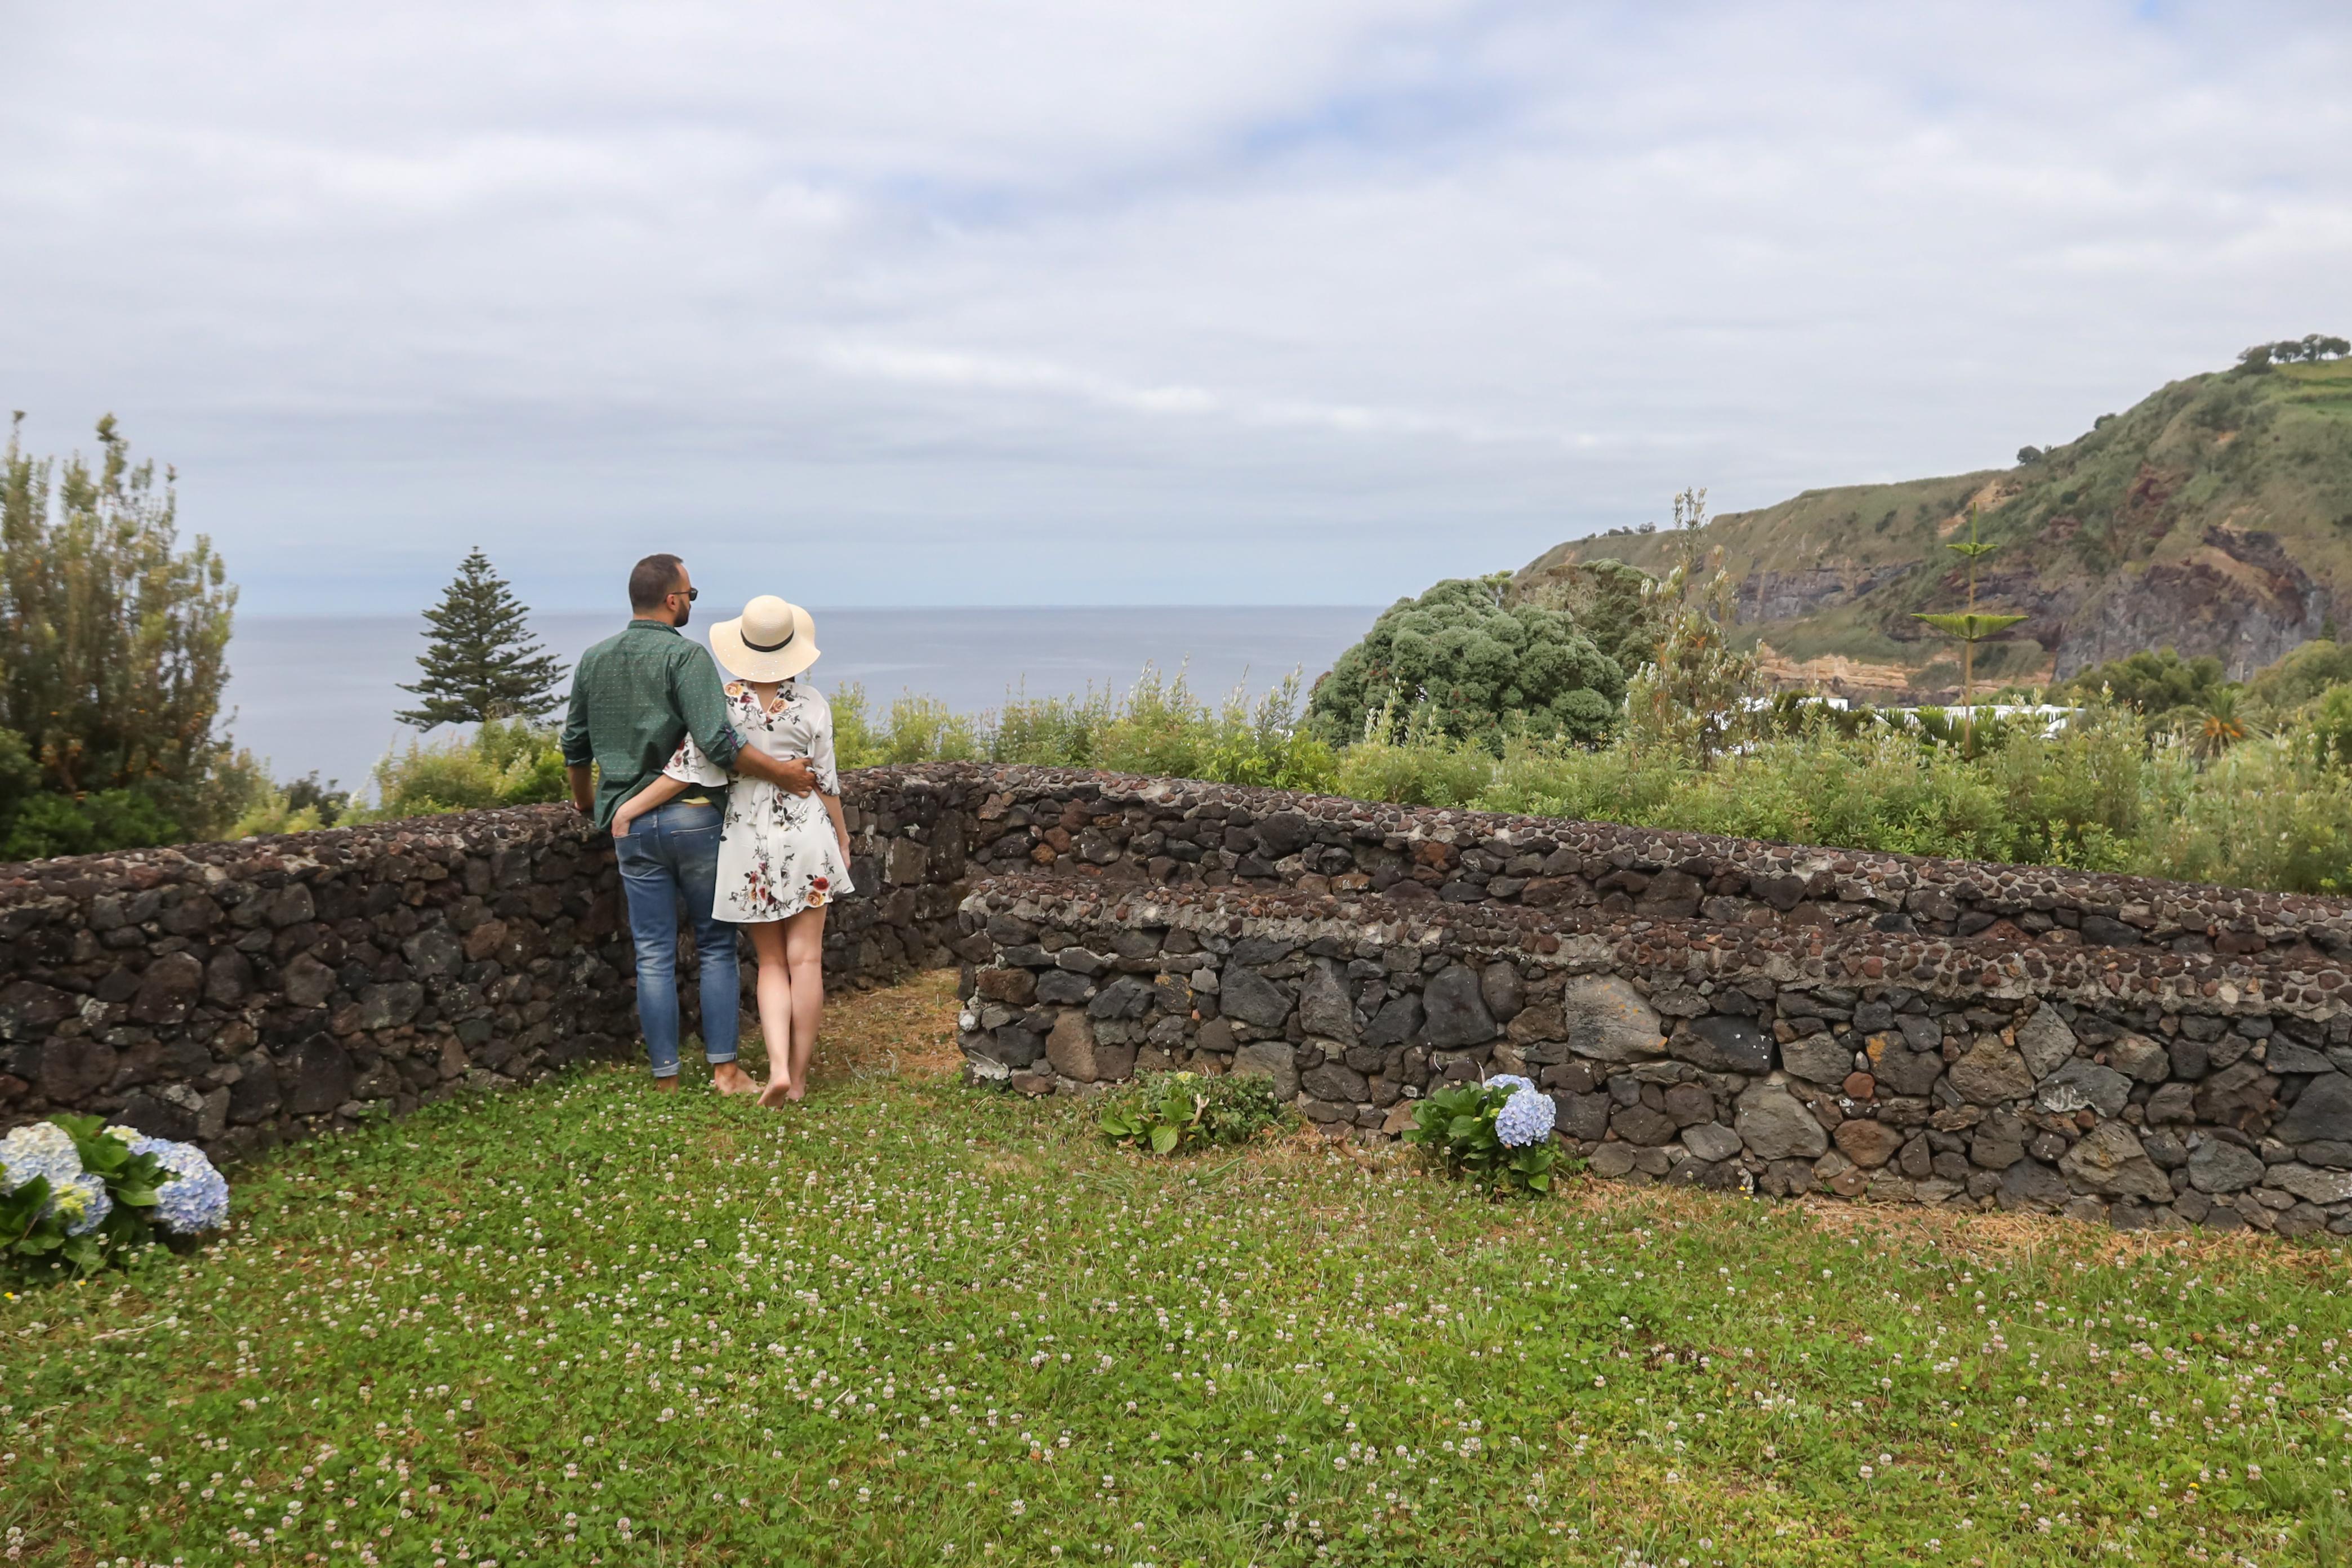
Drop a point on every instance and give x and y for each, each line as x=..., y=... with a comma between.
x=196, y=1197
x=41, y=1149
x=82, y=1201
x=1509, y=1080
x=1526, y=1118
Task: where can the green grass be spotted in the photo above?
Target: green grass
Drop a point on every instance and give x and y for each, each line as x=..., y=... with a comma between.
x=910, y=1322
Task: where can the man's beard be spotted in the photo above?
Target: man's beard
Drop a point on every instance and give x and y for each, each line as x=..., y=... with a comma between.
x=685, y=614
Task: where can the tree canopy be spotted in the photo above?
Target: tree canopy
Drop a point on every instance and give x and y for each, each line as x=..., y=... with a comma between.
x=113, y=652
x=1474, y=667
x=2154, y=683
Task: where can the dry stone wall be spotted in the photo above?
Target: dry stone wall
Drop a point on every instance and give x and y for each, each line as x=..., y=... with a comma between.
x=240, y=995
x=1928, y=1016
x=1128, y=831
x=2146, y=1089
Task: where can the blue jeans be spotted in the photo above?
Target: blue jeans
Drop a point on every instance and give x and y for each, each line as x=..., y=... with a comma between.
x=672, y=852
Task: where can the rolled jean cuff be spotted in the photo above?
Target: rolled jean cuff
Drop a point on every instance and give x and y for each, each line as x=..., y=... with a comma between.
x=715, y=1060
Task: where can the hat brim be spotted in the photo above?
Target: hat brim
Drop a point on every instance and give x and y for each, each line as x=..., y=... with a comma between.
x=740, y=659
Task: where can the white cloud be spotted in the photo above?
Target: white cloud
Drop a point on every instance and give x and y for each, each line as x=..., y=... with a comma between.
x=1060, y=302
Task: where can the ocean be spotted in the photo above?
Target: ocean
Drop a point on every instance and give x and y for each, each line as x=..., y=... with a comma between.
x=318, y=693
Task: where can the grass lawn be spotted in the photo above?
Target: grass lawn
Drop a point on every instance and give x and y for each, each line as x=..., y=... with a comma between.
x=909, y=1323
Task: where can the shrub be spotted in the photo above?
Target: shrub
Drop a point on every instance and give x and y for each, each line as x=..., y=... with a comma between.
x=1497, y=1133
x=1176, y=1112
x=74, y=1193
x=509, y=762
x=48, y=825
x=2154, y=683
x=1477, y=668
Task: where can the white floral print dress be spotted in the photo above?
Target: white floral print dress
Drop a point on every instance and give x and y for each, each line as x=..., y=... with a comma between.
x=777, y=855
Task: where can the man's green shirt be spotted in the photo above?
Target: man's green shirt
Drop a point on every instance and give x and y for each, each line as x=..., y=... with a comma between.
x=633, y=696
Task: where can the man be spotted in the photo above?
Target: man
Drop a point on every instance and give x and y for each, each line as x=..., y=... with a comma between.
x=633, y=695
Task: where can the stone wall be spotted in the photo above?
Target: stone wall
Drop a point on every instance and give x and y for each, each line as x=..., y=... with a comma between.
x=1129, y=830
x=2146, y=1088
x=243, y=993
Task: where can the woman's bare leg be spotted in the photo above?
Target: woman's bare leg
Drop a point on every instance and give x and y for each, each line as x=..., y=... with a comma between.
x=775, y=995
x=803, y=944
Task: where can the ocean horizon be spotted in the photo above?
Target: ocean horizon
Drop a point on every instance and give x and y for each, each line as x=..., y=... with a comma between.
x=318, y=693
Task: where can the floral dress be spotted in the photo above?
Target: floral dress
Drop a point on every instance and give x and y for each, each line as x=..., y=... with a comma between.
x=777, y=854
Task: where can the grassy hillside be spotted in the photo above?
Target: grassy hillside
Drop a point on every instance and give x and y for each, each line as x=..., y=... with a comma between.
x=2215, y=516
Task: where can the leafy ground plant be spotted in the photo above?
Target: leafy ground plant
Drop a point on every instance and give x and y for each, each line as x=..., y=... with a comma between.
x=77, y=1194
x=912, y=1323
x=1176, y=1112
x=1497, y=1133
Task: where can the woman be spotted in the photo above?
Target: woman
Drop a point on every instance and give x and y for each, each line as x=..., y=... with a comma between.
x=782, y=857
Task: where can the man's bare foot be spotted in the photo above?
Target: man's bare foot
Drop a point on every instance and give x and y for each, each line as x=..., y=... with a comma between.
x=667, y=1083
x=728, y=1078
x=773, y=1095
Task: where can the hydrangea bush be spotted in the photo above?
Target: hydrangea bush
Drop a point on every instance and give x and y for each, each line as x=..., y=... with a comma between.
x=1169, y=1112
x=77, y=1194
x=1497, y=1133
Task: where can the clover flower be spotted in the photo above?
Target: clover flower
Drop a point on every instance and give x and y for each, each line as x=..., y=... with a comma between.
x=40, y=1149
x=196, y=1197
x=1526, y=1118
x=81, y=1200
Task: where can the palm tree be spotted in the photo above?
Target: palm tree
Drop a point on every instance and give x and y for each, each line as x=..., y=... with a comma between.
x=2218, y=726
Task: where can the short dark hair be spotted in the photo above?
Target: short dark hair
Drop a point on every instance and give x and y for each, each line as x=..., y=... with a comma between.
x=653, y=579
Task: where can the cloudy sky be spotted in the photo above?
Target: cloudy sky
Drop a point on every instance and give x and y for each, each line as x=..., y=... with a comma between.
x=1030, y=302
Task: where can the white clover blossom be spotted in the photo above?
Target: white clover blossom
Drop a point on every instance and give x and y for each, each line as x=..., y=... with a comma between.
x=1526, y=1118
x=196, y=1197
x=81, y=1200
x=41, y=1149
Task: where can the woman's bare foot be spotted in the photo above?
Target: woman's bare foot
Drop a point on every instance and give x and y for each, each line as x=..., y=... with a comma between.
x=797, y=1091
x=776, y=1092
x=728, y=1078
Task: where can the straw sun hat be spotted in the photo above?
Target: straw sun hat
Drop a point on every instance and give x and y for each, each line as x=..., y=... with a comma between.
x=771, y=640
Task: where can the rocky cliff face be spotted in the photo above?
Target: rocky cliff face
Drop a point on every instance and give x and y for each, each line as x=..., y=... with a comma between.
x=2238, y=596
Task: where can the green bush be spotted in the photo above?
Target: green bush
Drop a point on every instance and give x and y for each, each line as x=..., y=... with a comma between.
x=1456, y=1127
x=1177, y=1112
x=1479, y=671
x=2154, y=683
x=1157, y=727
x=47, y=824
x=503, y=762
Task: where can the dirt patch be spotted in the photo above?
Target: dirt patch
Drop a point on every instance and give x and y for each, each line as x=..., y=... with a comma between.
x=907, y=1030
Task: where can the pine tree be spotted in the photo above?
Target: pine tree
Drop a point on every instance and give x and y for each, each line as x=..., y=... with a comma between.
x=483, y=663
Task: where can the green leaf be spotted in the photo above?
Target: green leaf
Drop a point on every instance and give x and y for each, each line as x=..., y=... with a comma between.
x=1970, y=625
x=1163, y=1139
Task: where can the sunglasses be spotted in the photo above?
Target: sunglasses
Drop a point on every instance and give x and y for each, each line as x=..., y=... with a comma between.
x=691, y=595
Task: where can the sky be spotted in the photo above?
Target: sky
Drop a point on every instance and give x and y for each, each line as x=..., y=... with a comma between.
x=1039, y=303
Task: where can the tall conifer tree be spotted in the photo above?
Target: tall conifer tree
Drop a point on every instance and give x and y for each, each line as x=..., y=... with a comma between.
x=482, y=662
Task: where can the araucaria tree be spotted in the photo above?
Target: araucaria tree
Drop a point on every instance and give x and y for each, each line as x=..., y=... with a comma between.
x=482, y=662
x=1971, y=627
x=1692, y=697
